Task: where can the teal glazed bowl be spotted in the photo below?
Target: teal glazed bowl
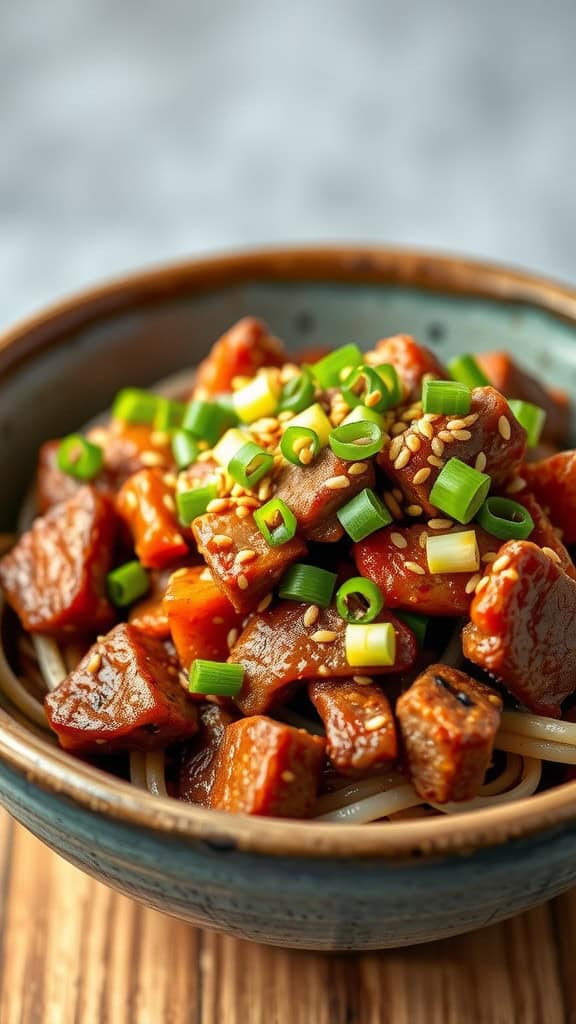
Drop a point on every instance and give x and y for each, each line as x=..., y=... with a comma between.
x=299, y=884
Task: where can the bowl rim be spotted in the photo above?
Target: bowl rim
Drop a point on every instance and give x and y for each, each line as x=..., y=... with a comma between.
x=55, y=771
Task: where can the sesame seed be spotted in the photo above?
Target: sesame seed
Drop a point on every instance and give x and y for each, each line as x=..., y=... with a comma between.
x=423, y=539
x=94, y=663
x=461, y=435
x=480, y=463
x=375, y=723
x=413, y=442
x=489, y=557
x=264, y=603
x=432, y=416
x=437, y=446
x=357, y=468
x=397, y=493
x=372, y=399
x=170, y=479
x=218, y=505
x=435, y=461
x=504, y=428
x=264, y=490
x=242, y=582
x=414, y=510
x=398, y=540
x=242, y=512
x=305, y=456
x=247, y=502
x=160, y=438
x=222, y=540
x=510, y=574
x=232, y=637
x=283, y=417
x=414, y=567
x=403, y=459
x=323, y=670
x=300, y=443
x=440, y=524
x=245, y=555
x=392, y=505
x=324, y=636
x=472, y=583
x=397, y=429
x=501, y=563
x=482, y=585
x=168, y=502
x=468, y=421
x=494, y=699
x=178, y=573
x=362, y=680
x=516, y=485
x=287, y=776
x=426, y=429
x=206, y=574
x=204, y=457
x=337, y=483
x=445, y=436
x=237, y=491
x=268, y=423
x=130, y=499
x=396, y=447
x=311, y=614
x=455, y=425
x=421, y=476
x=551, y=554
x=150, y=458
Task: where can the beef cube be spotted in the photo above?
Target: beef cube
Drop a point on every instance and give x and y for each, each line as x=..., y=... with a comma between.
x=410, y=360
x=240, y=352
x=359, y=724
x=149, y=614
x=199, y=757
x=222, y=537
x=553, y=481
x=146, y=504
x=279, y=647
x=267, y=768
x=124, y=695
x=311, y=492
x=395, y=559
x=55, y=576
x=523, y=628
x=489, y=438
x=513, y=381
x=200, y=616
x=448, y=723
x=543, y=534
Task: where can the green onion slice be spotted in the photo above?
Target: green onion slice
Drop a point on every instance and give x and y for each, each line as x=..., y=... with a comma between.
x=79, y=458
x=363, y=515
x=169, y=414
x=250, y=464
x=374, y=644
x=127, y=583
x=460, y=490
x=191, y=504
x=389, y=375
x=215, y=678
x=207, y=420
x=276, y=522
x=449, y=397
x=300, y=445
x=417, y=623
x=359, y=600
x=307, y=583
x=465, y=369
x=505, y=519
x=531, y=417
x=298, y=393
x=362, y=412
x=134, y=405
x=355, y=441
x=184, y=448
x=329, y=370
x=365, y=386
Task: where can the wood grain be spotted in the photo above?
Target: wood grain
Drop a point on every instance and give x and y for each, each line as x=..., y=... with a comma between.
x=74, y=952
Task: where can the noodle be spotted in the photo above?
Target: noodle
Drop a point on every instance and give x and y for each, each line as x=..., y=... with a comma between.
x=528, y=785
x=355, y=791
x=561, y=753
x=507, y=778
x=155, y=769
x=50, y=660
x=371, y=808
x=137, y=769
x=15, y=690
x=538, y=727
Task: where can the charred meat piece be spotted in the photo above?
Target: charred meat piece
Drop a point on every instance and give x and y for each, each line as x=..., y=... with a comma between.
x=124, y=695
x=544, y=534
x=267, y=768
x=315, y=493
x=448, y=723
x=395, y=559
x=488, y=438
x=359, y=724
x=240, y=352
x=199, y=757
x=280, y=646
x=149, y=614
x=553, y=481
x=509, y=378
x=523, y=628
x=146, y=504
x=55, y=577
x=222, y=537
x=200, y=616
x=410, y=360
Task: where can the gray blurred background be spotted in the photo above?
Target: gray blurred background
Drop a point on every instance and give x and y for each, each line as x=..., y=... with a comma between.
x=132, y=133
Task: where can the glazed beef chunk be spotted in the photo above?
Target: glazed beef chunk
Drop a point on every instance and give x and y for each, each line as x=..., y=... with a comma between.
x=359, y=724
x=315, y=494
x=199, y=757
x=523, y=628
x=448, y=723
x=55, y=577
x=124, y=695
x=240, y=352
x=268, y=768
x=147, y=506
x=411, y=361
x=200, y=616
x=509, y=378
x=553, y=481
x=279, y=647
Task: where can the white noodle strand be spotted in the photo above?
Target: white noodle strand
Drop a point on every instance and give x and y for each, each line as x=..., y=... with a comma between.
x=559, y=753
x=15, y=690
x=50, y=660
x=155, y=769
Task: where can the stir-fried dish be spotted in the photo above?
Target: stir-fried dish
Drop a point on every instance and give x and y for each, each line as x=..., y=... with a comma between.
x=337, y=588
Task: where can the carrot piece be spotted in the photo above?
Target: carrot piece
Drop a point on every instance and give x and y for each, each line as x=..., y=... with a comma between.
x=242, y=350
x=146, y=504
x=200, y=616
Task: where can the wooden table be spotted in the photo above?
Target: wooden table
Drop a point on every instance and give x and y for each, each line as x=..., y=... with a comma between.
x=74, y=952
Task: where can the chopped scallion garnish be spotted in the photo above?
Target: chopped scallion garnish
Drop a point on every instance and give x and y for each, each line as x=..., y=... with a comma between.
x=531, y=417
x=362, y=412
x=79, y=458
x=328, y=371
x=459, y=490
x=297, y=393
x=389, y=375
x=505, y=519
x=191, y=504
x=359, y=600
x=365, y=386
x=276, y=522
x=134, y=405
x=184, y=448
x=374, y=644
x=127, y=583
x=307, y=583
x=363, y=515
x=207, y=420
x=315, y=419
x=464, y=368
x=299, y=445
x=453, y=552
x=448, y=397
x=250, y=464
x=356, y=441
x=215, y=678
x=169, y=414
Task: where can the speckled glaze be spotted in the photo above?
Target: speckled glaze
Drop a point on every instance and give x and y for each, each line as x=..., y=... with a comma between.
x=287, y=883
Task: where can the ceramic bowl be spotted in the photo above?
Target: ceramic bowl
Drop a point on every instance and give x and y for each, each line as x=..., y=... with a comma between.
x=289, y=883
